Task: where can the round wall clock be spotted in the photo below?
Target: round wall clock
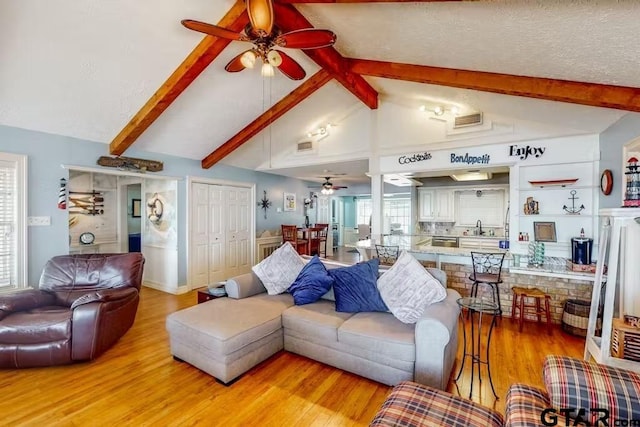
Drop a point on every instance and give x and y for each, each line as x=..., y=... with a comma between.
x=87, y=238
x=606, y=182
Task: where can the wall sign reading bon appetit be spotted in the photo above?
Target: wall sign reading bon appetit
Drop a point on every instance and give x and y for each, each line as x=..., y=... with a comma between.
x=419, y=157
x=469, y=159
x=525, y=152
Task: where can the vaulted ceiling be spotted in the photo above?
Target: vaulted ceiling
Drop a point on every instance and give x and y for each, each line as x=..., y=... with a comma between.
x=123, y=73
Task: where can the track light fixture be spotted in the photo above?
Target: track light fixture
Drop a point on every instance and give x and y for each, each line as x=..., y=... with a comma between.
x=439, y=110
x=321, y=132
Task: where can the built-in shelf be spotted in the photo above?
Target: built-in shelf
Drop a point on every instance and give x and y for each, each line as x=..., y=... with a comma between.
x=554, y=182
x=557, y=188
x=558, y=215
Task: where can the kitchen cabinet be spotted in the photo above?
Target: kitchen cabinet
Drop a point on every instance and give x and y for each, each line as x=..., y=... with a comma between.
x=435, y=205
x=478, y=243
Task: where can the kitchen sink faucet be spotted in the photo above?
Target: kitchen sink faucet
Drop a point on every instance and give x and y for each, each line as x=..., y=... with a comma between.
x=479, y=227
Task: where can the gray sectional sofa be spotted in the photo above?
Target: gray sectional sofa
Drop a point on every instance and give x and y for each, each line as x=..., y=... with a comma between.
x=226, y=337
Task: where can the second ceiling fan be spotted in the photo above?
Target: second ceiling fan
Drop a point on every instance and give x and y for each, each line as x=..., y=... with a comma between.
x=328, y=187
x=266, y=36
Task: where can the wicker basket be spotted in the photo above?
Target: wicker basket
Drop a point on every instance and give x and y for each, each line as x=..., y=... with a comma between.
x=625, y=341
x=575, y=317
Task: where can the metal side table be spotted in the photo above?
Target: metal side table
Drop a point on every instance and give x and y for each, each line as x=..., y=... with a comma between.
x=477, y=307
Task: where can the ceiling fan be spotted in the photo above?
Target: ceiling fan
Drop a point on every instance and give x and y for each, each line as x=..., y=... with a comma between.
x=266, y=36
x=328, y=187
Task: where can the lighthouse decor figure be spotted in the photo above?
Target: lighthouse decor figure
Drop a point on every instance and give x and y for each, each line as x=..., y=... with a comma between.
x=632, y=190
x=62, y=194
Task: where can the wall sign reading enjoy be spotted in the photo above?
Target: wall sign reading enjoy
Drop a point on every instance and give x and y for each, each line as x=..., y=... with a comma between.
x=524, y=152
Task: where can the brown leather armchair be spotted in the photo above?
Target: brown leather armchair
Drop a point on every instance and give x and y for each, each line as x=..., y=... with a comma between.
x=84, y=304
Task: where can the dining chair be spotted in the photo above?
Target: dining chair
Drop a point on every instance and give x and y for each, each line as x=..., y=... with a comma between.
x=322, y=246
x=290, y=234
x=313, y=239
x=387, y=254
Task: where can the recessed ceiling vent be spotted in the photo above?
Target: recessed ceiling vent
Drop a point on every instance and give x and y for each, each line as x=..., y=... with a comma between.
x=468, y=120
x=304, y=146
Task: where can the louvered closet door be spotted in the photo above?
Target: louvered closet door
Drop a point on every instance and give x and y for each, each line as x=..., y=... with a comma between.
x=200, y=235
x=237, y=235
x=217, y=219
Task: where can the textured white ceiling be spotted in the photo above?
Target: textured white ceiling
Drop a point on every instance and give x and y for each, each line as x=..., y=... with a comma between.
x=83, y=69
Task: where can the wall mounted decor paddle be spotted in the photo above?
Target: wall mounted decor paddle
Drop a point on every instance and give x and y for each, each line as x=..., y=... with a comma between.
x=131, y=164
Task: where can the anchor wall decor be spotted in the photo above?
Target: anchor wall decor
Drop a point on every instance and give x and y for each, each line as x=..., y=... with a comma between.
x=573, y=210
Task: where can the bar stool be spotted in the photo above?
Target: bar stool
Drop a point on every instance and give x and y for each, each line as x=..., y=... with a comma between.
x=535, y=308
x=487, y=269
x=387, y=254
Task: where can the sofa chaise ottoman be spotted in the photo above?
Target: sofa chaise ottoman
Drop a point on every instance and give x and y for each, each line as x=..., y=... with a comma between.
x=226, y=337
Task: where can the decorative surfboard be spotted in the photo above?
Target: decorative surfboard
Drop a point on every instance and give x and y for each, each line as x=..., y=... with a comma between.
x=130, y=163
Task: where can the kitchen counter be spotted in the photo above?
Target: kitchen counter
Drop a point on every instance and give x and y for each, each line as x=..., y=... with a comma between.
x=559, y=270
x=420, y=247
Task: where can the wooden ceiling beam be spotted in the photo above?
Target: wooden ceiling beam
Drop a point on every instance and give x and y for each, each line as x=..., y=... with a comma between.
x=592, y=94
x=203, y=54
x=288, y=19
x=364, y=1
x=299, y=94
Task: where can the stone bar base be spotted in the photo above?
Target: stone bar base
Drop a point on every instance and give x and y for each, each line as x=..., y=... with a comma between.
x=559, y=289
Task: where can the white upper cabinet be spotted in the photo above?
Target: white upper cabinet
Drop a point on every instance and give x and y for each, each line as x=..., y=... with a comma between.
x=487, y=206
x=444, y=211
x=426, y=204
x=435, y=205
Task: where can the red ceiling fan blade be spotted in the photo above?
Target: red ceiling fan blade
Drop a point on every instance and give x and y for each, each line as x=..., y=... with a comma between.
x=236, y=64
x=308, y=38
x=213, y=30
x=261, y=16
x=290, y=67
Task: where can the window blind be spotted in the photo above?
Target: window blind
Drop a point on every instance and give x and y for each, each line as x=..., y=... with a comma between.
x=8, y=218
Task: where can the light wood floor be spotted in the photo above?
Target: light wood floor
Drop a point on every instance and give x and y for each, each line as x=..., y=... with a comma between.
x=137, y=382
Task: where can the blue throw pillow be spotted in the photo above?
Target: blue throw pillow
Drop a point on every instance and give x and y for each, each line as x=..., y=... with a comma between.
x=355, y=288
x=312, y=282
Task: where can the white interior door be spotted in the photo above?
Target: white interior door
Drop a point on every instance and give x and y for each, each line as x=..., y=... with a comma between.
x=323, y=210
x=217, y=218
x=238, y=231
x=220, y=233
x=200, y=235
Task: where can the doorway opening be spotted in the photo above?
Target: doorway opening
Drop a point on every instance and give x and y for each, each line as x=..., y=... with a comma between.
x=134, y=217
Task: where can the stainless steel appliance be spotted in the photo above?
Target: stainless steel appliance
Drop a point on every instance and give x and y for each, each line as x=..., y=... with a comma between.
x=446, y=241
x=335, y=235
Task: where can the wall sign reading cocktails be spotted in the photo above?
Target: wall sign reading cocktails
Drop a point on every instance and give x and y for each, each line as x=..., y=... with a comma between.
x=525, y=152
x=419, y=157
x=469, y=159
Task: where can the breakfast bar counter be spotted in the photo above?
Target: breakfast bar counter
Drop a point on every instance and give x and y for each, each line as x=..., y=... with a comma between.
x=420, y=246
x=553, y=278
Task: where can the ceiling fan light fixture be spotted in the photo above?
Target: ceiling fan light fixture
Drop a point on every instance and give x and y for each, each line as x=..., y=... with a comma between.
x=267, y=70
x=327, y=191
x=248, y=59
x=261, y=16
x=274, y=58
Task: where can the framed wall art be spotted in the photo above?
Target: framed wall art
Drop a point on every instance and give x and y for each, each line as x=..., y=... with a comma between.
x=544, y=231
x=289, y=202
x=135, y=208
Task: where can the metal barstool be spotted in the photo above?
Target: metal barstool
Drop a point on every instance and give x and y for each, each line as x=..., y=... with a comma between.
x=387, y=254
x=487, y=269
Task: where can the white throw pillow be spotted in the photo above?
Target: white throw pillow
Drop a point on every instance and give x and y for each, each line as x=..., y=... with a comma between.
x=280, y=269
x=407, y=288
